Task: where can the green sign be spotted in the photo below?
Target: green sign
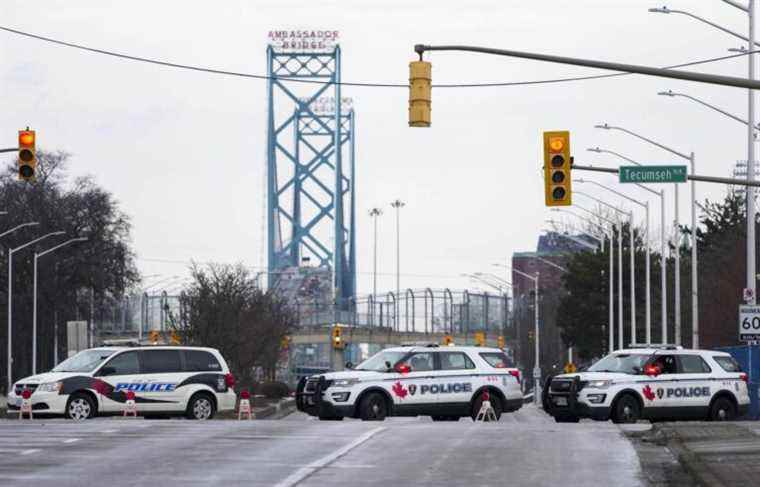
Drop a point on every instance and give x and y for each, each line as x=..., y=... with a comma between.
x=653, y=174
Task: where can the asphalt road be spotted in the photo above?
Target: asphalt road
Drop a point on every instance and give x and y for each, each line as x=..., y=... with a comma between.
x=525, y=448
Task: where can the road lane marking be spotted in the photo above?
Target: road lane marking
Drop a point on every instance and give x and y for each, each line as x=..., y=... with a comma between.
x=29, y=452
x=71, y=440
x=109, y=431
x=303, y=472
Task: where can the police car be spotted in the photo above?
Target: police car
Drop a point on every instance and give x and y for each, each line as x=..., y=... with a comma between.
x=190, y=381
x=655, y=383
x=446, y=383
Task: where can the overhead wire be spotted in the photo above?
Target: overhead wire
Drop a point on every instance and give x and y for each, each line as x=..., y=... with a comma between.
x=344, y=83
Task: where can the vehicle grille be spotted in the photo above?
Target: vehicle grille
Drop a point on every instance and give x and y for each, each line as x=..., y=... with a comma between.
x=21, y=387
x=560, y=386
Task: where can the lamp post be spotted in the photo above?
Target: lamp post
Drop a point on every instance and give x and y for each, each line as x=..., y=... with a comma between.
x=537, y=365
x=644, y=205
x=749, y=9
x=398, y=204
x=695, y=292
x=663, y=240
x=10, y=299
x=34, y=297
x=374, y=213
x=620, y=272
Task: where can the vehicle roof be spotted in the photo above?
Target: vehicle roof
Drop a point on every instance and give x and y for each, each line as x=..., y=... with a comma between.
x=154, y=347
x=443, y=348
x=678, y=351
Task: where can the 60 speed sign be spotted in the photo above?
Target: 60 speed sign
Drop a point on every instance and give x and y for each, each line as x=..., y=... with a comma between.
x=749, y=323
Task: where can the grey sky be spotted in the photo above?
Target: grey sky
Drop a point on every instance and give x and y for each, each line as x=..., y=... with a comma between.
x=184, y=152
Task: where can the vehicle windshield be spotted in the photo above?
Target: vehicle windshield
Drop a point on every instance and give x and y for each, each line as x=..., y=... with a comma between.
x=624, y=363
x=84, y=361
x=377, y=362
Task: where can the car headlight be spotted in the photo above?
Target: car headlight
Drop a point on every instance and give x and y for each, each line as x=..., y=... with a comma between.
x=345, y=382
x=599, y=384
x=50, y=387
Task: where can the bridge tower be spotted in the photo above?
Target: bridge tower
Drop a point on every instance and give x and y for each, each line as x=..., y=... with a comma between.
x=310, y=168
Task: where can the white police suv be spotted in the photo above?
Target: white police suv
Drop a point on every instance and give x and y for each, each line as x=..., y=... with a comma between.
x=190, y=381
x=655, y=383
x=446, y=383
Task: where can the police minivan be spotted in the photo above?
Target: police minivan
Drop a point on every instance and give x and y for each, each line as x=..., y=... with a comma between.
x=446, y=383
x=652, y=382
x=166, y=380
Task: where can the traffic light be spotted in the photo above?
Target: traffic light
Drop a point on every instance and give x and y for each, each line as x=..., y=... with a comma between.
x=27, y=155
x=448, y=340
x=530, y=335
x=153, y=336
x=501, y=342
x=337, y=338
x=175, y=338
x=557, y=166
x=480, y=339
x=420, y=93
x=285, y=343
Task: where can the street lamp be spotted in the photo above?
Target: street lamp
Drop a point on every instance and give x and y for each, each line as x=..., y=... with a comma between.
x=34, y=297
x=612, y=273
x=18, y=227
x=398, y=204
x=663, y=240
x=375, y=213
x=10, y=298
x=694, y=290
x=749, y=9
x=537, y=365
x=645, y=205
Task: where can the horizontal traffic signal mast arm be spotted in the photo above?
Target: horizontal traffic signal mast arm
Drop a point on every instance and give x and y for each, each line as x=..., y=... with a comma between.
x=714, y=79
x=12, y=149
x=695, y=177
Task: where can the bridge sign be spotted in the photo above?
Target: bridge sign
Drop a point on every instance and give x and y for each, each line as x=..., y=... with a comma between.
x=749, y=323
x=652, y=174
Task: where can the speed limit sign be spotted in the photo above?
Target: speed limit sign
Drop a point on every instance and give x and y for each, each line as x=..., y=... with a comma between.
x=749, y=323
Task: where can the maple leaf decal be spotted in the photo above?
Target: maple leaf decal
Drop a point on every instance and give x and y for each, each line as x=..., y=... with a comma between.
x=399, y=390
x=648, y=393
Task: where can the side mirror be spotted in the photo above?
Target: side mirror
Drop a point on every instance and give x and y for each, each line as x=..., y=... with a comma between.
x=403, y=368
x=636, y=370
x=106, y=371
x=388, y=366
x=349, y=365
x=652, y=370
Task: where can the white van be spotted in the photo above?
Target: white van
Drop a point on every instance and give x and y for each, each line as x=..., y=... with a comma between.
x=190, y=381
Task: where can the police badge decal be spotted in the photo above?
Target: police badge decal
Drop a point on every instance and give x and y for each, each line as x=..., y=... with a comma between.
x=412, y=389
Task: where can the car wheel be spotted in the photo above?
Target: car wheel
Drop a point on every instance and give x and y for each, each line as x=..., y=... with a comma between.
x=566, y=418
x=80, y=407
x=627, y=410
x=200, y=407
x=373, y=407
x=723, y=410
x=477, y=403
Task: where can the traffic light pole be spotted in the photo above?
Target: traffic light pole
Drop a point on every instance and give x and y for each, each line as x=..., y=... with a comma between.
x=590, y=63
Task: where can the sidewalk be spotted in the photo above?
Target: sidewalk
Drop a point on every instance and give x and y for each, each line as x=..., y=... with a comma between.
x=714, y=454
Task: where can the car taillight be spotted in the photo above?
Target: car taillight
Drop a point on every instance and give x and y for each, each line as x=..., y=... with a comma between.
x=744, y=377
x=229, y=379
x=515, y=374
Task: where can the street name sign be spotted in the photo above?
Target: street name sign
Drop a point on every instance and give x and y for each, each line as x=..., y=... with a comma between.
x=652, y=174
x=749, y=323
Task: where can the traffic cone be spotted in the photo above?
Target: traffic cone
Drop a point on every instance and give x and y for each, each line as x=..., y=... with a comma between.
x=244, y=407
x=130, y=408
x=486, y=412
x=26, y=404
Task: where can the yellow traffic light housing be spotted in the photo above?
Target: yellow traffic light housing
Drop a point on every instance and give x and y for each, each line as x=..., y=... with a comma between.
x=27, y=155
x=557, y=168
x=480, y=339
x=501, y=342
x=420, y=93
x=153, y=337
x=448, y=340
x=337, y=338
x=285, y=343
x=175, y=338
